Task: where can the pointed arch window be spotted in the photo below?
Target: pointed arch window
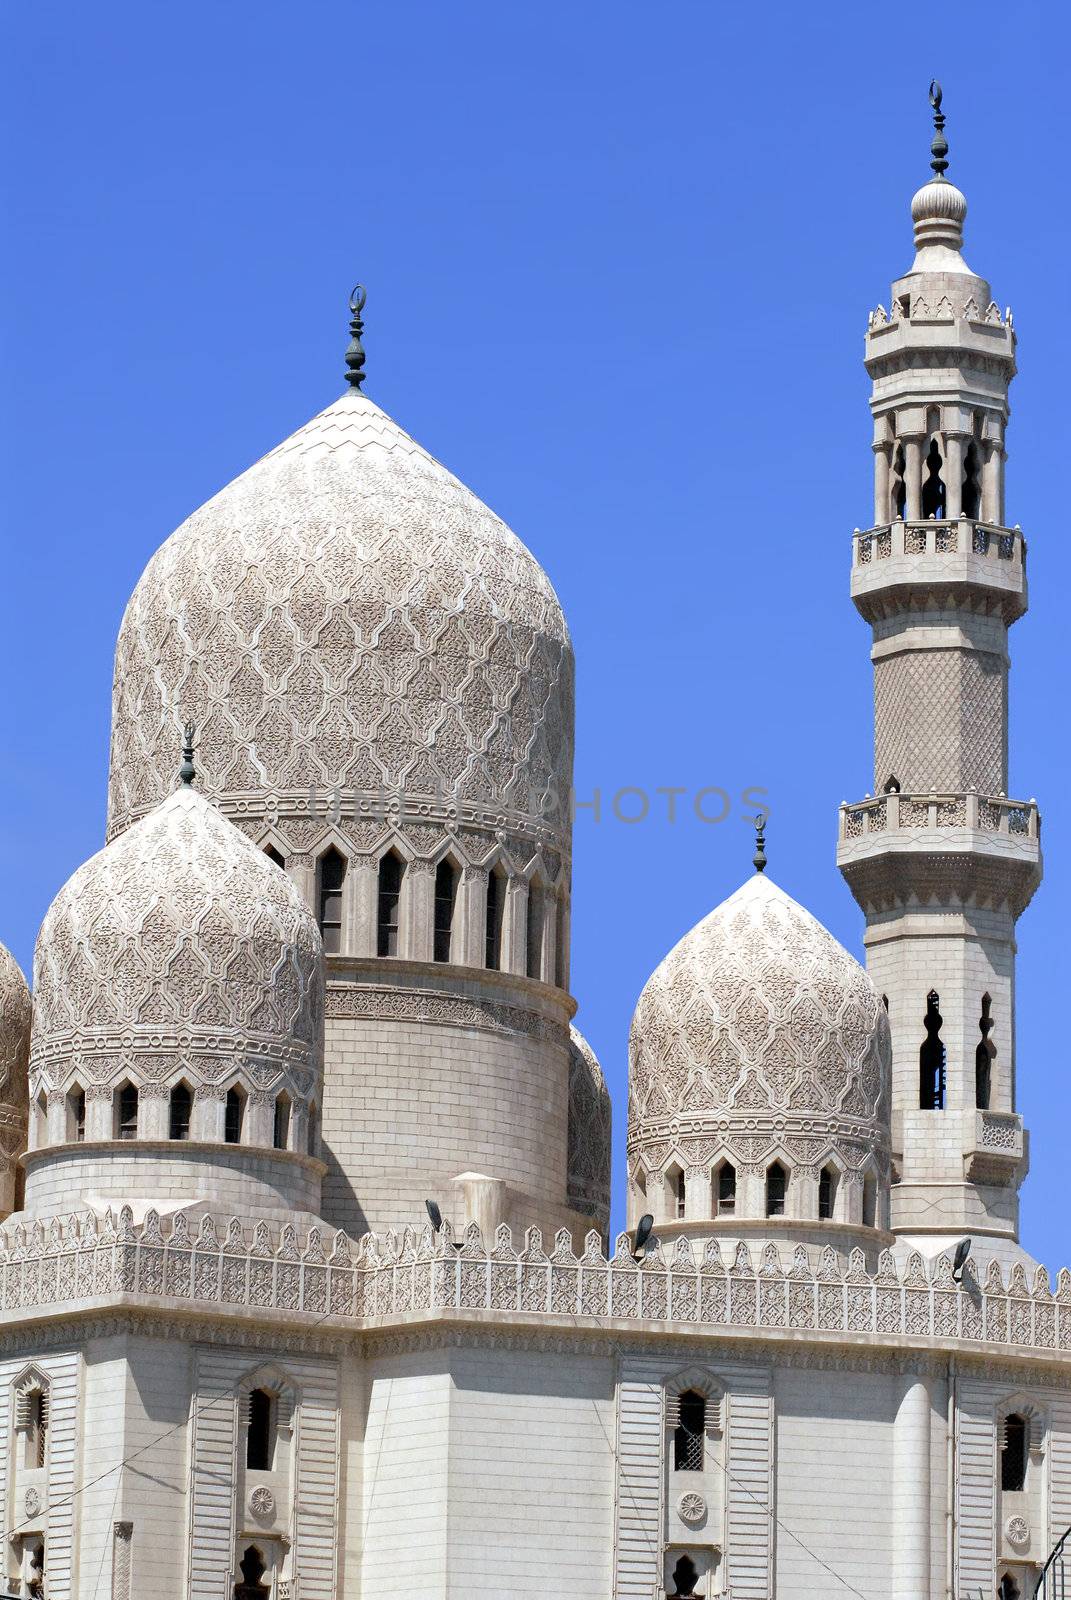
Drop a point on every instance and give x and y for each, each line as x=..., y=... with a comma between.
x=445, y=901
x=1009, y=1589
x=31, y=1421
x=281, y=1123
x=776, y=1185
x=180, y=1111
x=534, y=930
x=388, y=917
x=827, y=1193
x=685, y=1577
x=496, y=918
x=972, y=480
x=932, y=1058
x=331, y=878
x=676, y=1193
x=76, y=1114
x=275, y=855
x=260, y=1430
x=126, y=1114
x=933, y=483
x=725, y=1190
x=252, y=1568
x=234, y=1116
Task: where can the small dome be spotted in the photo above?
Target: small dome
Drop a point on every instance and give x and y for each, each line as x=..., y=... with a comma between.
x=761, y=1035
x=590, y=1118
x=939, y=200
x=15, y=1012
x=347, y=615
x=179, y=951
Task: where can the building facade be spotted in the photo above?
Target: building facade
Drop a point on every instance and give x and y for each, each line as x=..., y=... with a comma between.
x=306, y=1280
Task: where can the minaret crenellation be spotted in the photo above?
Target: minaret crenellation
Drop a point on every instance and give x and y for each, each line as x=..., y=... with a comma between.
x=942, y=859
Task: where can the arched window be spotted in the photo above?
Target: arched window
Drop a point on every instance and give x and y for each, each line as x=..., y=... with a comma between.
x=275, y=855
x=1009, y=1589
x=281, y=1129
x=685, y=1577
x=983, y=1058
x=252, y=1568
x=76, y=1114
x=776, y=1184
x=827, y=1193
x=534, y=931
x=898, y=483
x=496, y=917
x=126, y=1117
x=725, y=1190
x=1013, y=1455
x=180, y=1112
x=690, y=1433
x=314, y=1130
x=331, y=876
x=389, y=903
x=932, y=1058
x=972, y=480
x=260, y=1430
x=234, y=1116
x=445, y=897
x=35, y=1569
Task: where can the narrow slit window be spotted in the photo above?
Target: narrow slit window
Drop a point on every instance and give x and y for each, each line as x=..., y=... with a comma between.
x=76, y=1114
x=496, y=909
x=281, y=1128
x=559, y=943
x=689, y=1434
x=388, y=921
x=776, y=1184
x=445, y=898
x=181, y=1111
x=983, y=1057
x=972, y=481
x=870, y=1201
x=260, y=1432
x=126, y=1124
x=932, y=1058
x=827, y=1193
x=1013, y=1454
x=534, y=931
x=275, y=855
x=677, y=1192
x=725, y=1190
x=898, y=483
x=933, y=483
x=234, y=1117
x=332, y=878
x=35, y=1411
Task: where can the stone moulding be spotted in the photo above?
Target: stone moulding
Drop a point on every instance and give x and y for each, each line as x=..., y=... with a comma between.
x=256, y=1271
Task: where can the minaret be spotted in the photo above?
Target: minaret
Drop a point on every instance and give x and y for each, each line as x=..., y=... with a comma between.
x=941, y=861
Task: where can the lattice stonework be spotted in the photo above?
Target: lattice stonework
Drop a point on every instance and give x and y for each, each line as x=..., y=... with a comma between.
x=347, y=615
x=940, y=720
x=759, y=1030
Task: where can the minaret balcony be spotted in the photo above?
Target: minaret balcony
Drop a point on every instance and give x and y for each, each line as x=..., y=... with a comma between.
x=896, y=847
x=903, y=565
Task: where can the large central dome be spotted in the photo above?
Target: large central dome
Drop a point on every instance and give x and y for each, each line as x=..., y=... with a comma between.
x=346, y=614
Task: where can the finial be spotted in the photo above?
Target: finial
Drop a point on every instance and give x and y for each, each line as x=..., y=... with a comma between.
x=939, y=147
x=759, y=857
x=355, y=353
x=187, y=772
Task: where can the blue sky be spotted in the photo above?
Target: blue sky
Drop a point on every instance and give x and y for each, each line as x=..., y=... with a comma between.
x=619, y=262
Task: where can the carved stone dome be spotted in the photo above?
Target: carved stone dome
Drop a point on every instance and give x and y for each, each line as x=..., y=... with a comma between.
x=178, y=952
x=590, y=1119
x=15, y=1012
x=759, y=1038
x=346, y=614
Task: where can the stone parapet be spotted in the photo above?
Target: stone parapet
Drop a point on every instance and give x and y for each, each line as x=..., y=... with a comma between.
x=907, y=566
x=89, y=1262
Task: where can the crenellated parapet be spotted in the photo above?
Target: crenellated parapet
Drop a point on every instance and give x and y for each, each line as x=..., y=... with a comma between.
x=239, y=1269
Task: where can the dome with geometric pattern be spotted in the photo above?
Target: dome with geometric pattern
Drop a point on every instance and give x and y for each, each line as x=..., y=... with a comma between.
x=590, y=1117
x=758, y=1037
x=179, y=953
x=347, y=616
x=15, y=1014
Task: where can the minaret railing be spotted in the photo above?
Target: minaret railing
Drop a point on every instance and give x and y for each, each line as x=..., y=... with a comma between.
x=937, y=536
x=982, y=813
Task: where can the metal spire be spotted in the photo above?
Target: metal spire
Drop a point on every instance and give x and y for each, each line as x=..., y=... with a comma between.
x=939, y=147
x=187, y=772
x=759, y=858
x=355, y=353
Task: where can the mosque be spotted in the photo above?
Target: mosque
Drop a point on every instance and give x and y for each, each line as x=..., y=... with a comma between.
x=306, y=1282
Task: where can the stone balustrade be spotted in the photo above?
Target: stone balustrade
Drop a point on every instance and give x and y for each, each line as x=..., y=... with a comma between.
x=937, y=537
x=257, y=1270
x=983, y=813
